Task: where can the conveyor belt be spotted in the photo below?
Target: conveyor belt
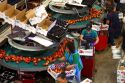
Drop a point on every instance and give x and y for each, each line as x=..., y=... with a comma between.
x=28, y=48
x=23, y=66
x=65, y=11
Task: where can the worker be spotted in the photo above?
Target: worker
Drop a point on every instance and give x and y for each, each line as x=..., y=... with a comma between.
x=73, y=59
x=123, y=35
x=89, y=36
x=114, y=26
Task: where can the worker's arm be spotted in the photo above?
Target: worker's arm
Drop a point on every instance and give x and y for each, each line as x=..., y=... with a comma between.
x=107, y=22
x=69, y=67
x=109, y=17
x=97, y=40
x=62, y=58
x=81, y=37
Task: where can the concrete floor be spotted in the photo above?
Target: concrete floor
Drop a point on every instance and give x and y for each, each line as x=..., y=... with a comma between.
x=106, y=67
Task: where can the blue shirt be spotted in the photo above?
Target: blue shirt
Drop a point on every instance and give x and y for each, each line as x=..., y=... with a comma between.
x=92, y=34
x=71, y=58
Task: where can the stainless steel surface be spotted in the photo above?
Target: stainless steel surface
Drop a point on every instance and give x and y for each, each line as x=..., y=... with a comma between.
x=4, y=34
x=64, y=11
x=22, y=47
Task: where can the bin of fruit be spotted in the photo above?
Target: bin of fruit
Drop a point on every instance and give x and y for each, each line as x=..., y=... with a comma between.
x=55, y=69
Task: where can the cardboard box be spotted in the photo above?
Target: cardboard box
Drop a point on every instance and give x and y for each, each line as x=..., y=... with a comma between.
x=30, y=13
x=4, y=6
x=22, y=17
x=88, y=52
x=40, y=15
x=45, y=24
x=54, y=74
x=87, y=80
x=12, y=12
x=120, y=73
x=10, y=15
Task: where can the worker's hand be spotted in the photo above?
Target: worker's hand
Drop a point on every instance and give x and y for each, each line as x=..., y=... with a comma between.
x=95, y=43
x=81, y=38
x=92, y=44
x=62, y=59
x=69, y=67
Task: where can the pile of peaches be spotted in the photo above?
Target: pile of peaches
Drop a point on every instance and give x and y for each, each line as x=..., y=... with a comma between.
x=49, y=59
x=18, y=59
x=58, y=54
x=57, y=70
x=2, y=54
x=93, y=13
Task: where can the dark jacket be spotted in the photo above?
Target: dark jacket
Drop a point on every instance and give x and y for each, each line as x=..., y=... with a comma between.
x=123, y=35
x=117, y=1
